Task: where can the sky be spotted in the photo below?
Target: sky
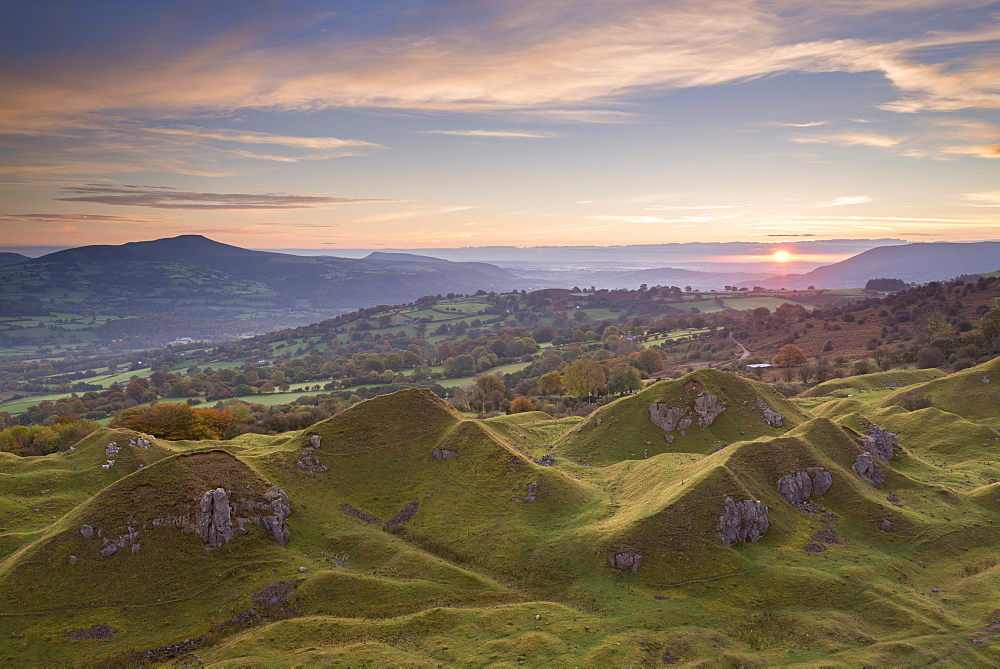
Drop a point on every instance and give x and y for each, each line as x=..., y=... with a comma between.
x=449, y=123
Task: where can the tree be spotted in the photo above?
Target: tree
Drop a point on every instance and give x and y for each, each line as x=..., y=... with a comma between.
x=584, y=378
x=522, y=404
x=790, y=355
x=488, y=389
x=624, y=380
x=989, y=326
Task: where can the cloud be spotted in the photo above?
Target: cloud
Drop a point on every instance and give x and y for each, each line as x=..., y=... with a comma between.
x=412, y=213
x=159, y=198
x=491, y=133
x=991, y=199
x=788, y=235
x=890, y=219
x=74, y=218
x=698, y=207
x=850, y=139
x=988, y=151
x=654, y=219
x=844, y=200
x=814, y=124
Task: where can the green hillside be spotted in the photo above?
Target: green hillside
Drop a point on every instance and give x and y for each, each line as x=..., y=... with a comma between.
x=417, y=537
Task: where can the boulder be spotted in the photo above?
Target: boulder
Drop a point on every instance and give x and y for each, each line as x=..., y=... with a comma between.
x=625, y=562
x=444, y=454
x=215, y=522
x=880, y=443
x=773, y=418
x=800, y=486
x=866, y=467
x=743, y=521
x=669, y=418
x=708, y=407
x=87, y=531
x=280, y=510
x=109, y=550
x=315, y=440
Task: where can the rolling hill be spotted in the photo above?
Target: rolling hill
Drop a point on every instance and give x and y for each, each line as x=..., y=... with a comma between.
x=398, y=532
x=913, y=263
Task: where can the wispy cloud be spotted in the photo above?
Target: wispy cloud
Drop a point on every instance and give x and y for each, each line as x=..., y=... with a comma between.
x=697, y=207
x=813, y=124
x=653, y=219
x=850, y=139
x=895, y=219
x=74, y=218
x=505, y=134
x=161, y=198
x=844, y=200
x=414, y=212
x=987, y=151
x=990, y=199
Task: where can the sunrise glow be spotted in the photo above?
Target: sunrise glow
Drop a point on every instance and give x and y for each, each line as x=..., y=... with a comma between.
x=782, y=256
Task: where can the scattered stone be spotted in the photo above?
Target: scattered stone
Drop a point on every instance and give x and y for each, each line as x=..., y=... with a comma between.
x=87, y=531
x=530, y=497
x=886, y=525
x=310, y=463
x=111, y=450
x=301, y=569
x=669, y=438
x=109, y=550
x=170, y=651
x=625, y=562
x=72, y=559
x=986, y=379
x=98, y=631
x=598, y=422
x=444, y=454
x=537, y=617
x=315, y=440
x=800, y=486
x=935, y=590
x=743, y=521
x=532, y=487
x=894, y=500
x=868, y=469
x=546, y=460
x=136, y=548
x=139, y=442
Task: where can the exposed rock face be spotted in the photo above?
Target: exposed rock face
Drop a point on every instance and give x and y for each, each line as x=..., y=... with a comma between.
x=112, y=546
x=111, y=450
x=216, y=522
x=669, y=418
x=880, y=443
x=800, y=486
x=868, y=469
x=625, y=562
x=280, y=510
x=310, y=463
x=743, y=521
x=444, y=454
x=773, y=418
x=315, y=440
x=708, y=407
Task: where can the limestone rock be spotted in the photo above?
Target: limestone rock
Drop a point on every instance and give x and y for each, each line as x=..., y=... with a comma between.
x=111, y=450
x=546, y=460
x=280, y=510
x=708, y=407
x=773, y=418
x=72, y=559
x=868, y=469
x=444, y=454
x=800, y=486
x=625, y=562
x=315, y=440
x=886, y=525
x=136, y=548
x=669, y=418
x=743, y=521
x=109, y=550
x=216, y=521
x=310, y=463
x=87, y=531
x=880, y=443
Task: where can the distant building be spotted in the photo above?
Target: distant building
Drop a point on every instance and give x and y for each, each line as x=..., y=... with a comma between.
x=760, y=365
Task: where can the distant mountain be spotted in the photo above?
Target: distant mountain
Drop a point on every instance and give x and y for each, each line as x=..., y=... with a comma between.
x=12, y=258
x=196, y=279
x=913, y=263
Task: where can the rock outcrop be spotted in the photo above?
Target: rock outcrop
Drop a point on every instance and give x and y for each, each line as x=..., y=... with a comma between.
x=800, y=486
x=669, y=418
x=443, y=454
x=866, y=467
x=743, y=521
x=216, y=522
x=880, y=443
x=773, y=418
x=625, y=562
x=315, y=440
x=708, y=407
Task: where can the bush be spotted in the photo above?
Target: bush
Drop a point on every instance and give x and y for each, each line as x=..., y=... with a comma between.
x=930, y=356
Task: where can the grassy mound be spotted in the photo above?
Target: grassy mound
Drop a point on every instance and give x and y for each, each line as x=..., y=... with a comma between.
x=972, y=393
x=895, y=378
x=623, y=430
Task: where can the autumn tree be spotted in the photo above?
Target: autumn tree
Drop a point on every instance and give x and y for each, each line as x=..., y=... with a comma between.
x=790, y=355
x=550, y=384
x=584, y=378
x=522, y=404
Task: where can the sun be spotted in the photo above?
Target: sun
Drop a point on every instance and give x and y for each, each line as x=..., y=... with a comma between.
x=782, y=256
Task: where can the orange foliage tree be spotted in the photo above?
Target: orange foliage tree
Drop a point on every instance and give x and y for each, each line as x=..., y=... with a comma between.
x=176, y=421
